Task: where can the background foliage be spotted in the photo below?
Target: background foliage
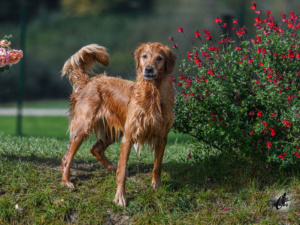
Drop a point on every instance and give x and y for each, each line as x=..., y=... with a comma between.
x=57, y=29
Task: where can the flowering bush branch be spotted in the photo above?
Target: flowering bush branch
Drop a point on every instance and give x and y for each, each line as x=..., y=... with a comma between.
x=8, y=56
x=242, y=94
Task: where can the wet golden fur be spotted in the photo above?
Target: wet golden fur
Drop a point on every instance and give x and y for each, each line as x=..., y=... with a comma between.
x=141, y=111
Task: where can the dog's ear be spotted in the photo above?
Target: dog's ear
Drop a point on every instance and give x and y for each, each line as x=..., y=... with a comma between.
x=170, y=60
x=137, y=54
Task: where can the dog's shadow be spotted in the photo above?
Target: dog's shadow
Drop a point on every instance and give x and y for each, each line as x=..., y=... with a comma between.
x=175, y=175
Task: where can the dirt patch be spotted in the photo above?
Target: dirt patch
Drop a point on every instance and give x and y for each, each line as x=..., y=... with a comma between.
x=2, y=192
x=117, y=219
x=71, y=216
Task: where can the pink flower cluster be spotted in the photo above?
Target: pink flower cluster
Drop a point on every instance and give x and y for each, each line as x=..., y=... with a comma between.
x=9, y=57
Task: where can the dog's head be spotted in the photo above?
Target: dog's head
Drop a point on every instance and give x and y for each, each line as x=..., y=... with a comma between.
x=154, y=60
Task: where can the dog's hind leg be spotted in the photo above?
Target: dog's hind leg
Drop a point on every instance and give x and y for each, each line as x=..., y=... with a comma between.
x=98, y=150
x=106, y=139
x=74, y=144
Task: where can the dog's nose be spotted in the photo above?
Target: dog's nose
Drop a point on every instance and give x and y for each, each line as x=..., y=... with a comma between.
x=149, y=69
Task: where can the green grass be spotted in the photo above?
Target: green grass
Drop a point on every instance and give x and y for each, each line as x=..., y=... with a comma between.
x=220, y=189
x=55, y=127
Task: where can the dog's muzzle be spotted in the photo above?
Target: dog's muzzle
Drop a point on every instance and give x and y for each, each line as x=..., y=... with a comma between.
x=149, y=73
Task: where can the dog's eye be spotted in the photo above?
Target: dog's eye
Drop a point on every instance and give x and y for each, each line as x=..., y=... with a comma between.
x=158, y=58
x=144, y=56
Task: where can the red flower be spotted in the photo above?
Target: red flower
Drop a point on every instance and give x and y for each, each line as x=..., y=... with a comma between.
x=218, y=20
x=171, y=39
x=211, y=72
x=269, y=144
x=240, y=32
x=207, y=34
x=256, y=82
x=259, y=114
x=235, y=21
x=172, y=80
x=212, y=48
x=180, y=30
x=131, y=53
x=197, y=34
x=285, y=153
x=195, y=55
x=251, y=132
x=189, y=156
x=273, y=114
x=273, y=133
x=280, y=157
x=225, y=25
x=175, y=45
x=238, y=48
x=287, y=123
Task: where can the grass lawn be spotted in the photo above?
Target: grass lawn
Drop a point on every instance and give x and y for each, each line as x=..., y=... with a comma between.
x=219, y=189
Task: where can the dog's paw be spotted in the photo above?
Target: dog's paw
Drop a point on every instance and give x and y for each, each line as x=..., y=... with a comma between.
x=156, y=184
x=68, y=184
x=120, y=199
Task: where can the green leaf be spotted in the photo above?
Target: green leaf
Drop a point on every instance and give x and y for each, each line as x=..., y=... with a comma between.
x=8, y=36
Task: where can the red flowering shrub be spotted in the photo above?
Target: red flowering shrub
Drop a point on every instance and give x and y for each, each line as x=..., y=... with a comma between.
x=243, y=95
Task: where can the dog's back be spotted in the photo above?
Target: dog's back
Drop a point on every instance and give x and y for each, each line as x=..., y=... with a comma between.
x=100, y=99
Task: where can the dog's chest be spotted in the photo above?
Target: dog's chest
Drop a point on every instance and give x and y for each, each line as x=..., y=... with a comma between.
x=150, y=114
x=144, y=124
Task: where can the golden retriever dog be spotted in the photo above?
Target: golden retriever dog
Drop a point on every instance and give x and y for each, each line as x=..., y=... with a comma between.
x=140, y=112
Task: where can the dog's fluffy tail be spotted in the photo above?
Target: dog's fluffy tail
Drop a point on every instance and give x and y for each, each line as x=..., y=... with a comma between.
x=79, y=66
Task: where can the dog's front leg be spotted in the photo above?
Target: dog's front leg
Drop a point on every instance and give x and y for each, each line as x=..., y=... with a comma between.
x=126, y=145
x=159, y=153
